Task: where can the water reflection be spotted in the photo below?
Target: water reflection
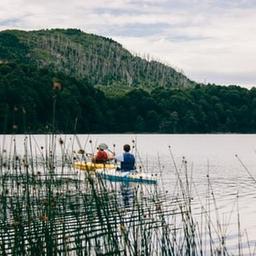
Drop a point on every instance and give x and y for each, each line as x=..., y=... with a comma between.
x=127, y=192
x=227, y=178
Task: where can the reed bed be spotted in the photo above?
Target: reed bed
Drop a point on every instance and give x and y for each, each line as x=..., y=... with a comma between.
x=48, y=208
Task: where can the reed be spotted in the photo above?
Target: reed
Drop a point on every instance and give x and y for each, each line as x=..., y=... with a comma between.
x=48, y=208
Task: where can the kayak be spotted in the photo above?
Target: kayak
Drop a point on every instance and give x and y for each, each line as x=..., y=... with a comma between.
x=132, y=176
x=89, y=166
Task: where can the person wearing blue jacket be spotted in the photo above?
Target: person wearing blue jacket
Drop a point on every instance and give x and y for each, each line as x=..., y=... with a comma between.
x=127, y=159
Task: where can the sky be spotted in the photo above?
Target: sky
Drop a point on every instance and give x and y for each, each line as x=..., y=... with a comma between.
x=211, y=41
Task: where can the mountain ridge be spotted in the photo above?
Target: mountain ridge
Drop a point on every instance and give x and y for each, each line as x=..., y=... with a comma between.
x=38, y=95
x=84, y=56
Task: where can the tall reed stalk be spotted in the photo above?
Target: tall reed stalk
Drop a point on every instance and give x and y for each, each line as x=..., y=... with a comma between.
x=48, y=208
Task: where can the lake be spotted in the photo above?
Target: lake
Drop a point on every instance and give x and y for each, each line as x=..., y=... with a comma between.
x=222, y=167
x=216, y=155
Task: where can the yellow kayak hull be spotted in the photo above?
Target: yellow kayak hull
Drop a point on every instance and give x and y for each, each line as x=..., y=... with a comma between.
x=89, y=166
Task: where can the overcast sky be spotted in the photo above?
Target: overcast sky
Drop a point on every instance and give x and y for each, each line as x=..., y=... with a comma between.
x=210, y=40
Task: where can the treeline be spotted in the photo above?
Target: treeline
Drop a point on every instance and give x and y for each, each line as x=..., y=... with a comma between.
x=37, y=101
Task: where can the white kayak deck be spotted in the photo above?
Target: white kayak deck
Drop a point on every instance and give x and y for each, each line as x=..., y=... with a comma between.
x=132, y=176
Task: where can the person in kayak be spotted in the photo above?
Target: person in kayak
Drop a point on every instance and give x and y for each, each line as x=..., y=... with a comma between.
x=101, y=155
x=127, y=160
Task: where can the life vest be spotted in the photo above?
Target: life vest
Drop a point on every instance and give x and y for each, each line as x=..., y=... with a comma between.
x=101, y=157
x=128, y=163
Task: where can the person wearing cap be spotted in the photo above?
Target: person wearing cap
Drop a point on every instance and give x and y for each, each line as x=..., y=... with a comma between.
x=102, y=156
x=126, y=159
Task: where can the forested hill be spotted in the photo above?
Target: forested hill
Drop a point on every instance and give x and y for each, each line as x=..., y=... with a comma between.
x=32, y=101
x=49, y=81
x=94, y=59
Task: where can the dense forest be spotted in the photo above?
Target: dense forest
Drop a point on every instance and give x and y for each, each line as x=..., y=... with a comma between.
x=37, y=101
x=38, y=94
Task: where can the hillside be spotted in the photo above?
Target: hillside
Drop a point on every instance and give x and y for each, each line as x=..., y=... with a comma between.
x=50, y=80
x=31, y=102
x=98, y=60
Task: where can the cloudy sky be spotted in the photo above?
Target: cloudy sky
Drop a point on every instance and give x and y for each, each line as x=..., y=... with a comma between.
x=209, y=40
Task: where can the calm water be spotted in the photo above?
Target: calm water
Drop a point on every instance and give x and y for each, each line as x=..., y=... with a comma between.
x=213, y=155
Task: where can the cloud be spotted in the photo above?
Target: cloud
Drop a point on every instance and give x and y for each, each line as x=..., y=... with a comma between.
x=211, y=40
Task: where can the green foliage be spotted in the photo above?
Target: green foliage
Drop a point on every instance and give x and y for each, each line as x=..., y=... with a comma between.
x=99, y=60
x=48, y=82
x=11, y=48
